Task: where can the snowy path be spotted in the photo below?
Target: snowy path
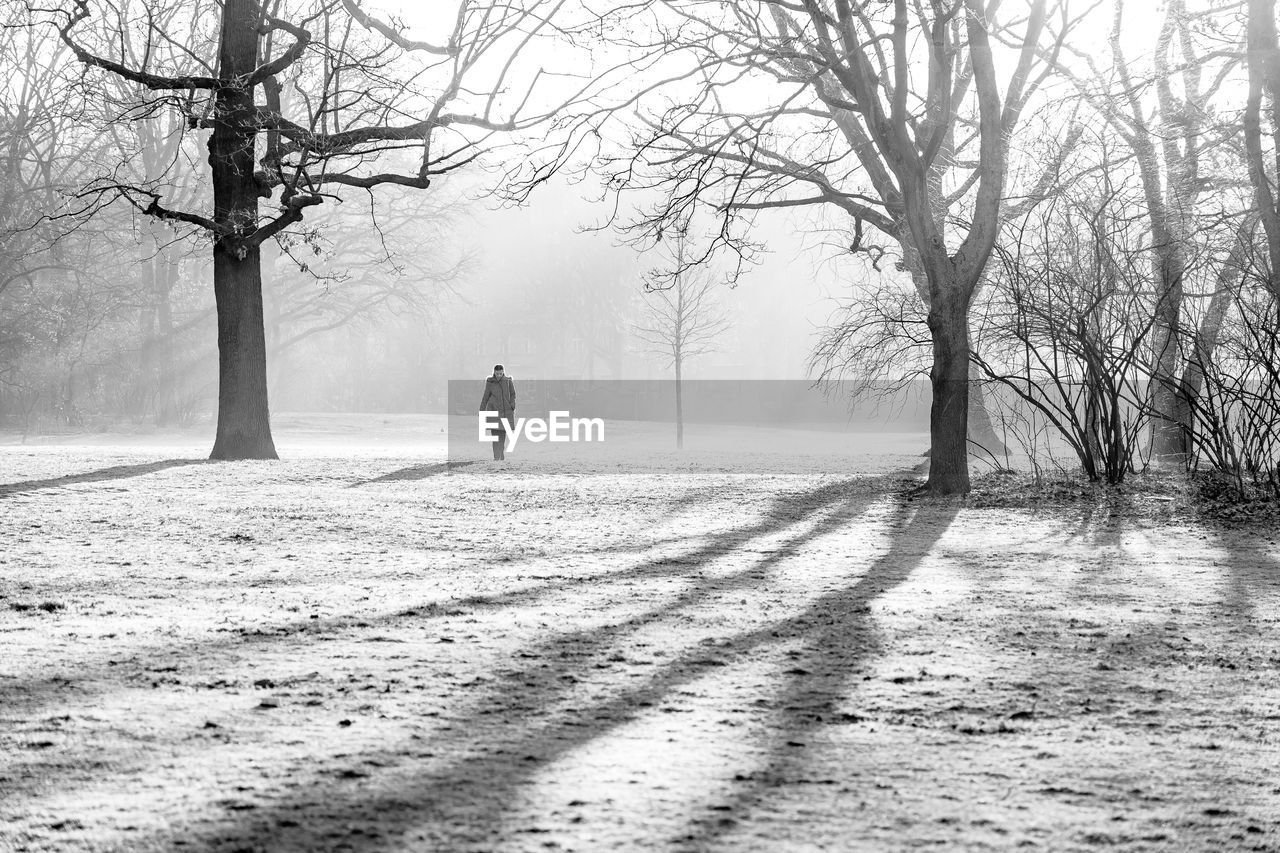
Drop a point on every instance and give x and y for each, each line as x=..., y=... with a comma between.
x=375, y=652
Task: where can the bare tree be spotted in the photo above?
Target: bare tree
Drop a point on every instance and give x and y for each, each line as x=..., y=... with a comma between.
x=334, y=275
x=682, y=321
x=1238, y=412
x=868, y=113
x=301, y=102
x=43, y=150
x=1069, y=319
x=1165, y=115
x=58, y=299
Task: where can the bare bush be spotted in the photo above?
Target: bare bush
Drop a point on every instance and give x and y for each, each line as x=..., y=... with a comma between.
x=1237, y=414
x=1067, y=326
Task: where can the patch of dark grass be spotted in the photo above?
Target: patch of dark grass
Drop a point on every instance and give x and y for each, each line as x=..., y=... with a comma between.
x=1151, y=494
x=1221, y=497
x=1006, y=488
x=46, y=606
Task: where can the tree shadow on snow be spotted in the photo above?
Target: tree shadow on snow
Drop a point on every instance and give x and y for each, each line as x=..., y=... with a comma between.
x=1253, y=570
x=844, y=500
x=118, y=472
x=416, y=472
x=456, y=789
x=788, y=508
x=836, y=638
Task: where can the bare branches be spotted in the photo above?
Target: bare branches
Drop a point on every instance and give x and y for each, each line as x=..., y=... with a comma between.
x=683, y=319
x=293, y=211
x=396, y=37
x=267, y=70
x=351, y=101
x=971, y=257
x=148, y=202
x=866, y=118
x=155, y=82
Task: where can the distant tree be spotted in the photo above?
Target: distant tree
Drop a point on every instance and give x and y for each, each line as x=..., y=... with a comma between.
x=581, y=304
x=682, y=321
x=43, y=148
x=304, y=101
x=339, y=274
x=352, y=286
x=57, y=287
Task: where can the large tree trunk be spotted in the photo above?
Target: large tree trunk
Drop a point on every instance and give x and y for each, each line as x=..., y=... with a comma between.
x=244, y=427
x=949, y=377
x=983, y=440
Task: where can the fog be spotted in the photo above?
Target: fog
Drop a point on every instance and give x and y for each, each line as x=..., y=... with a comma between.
x=887, y=454
x=548, y=290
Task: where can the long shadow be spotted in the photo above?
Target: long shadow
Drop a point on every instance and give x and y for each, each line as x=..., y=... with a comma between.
x=1152, y=678
x=822, y=677
x=788, y=508
x=1103, y=533
x=118, y=472
x=415, y=472
x=1251, y=568
x=1117, y=665
x=1253, y=572
x=534, y=714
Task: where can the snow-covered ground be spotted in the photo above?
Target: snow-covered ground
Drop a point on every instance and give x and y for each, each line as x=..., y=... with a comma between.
x=361, y=647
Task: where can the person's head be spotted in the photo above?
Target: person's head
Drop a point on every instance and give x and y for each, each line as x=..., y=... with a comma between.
x=497, y=370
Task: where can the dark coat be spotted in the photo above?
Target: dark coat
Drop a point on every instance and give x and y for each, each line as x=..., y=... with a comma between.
x=499, y=396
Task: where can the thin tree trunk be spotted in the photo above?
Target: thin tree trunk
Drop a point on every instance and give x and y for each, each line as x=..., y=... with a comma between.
x=679, y=408
x=1211, y=326
x=1206, y=336
x=983, y=441
x=1264, y=79
x=244, y=427
x=149, y=364
x=162, y=350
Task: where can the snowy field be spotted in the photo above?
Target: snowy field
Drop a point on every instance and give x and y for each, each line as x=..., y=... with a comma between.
x=363, y=648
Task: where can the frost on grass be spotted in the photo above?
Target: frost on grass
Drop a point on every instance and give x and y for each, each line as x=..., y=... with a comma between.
x=378, y=651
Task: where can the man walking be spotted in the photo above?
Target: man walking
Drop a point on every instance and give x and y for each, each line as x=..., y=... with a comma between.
x=500, y=397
